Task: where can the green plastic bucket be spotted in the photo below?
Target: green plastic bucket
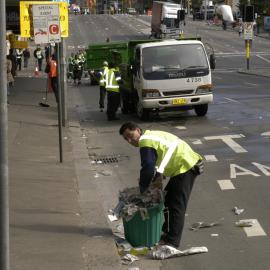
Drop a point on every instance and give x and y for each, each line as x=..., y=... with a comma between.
x=139, y=232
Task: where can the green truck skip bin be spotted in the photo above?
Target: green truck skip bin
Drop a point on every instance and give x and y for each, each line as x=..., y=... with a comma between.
x=147, y=232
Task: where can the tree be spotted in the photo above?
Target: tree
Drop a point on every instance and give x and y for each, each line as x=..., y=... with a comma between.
x=260, y=6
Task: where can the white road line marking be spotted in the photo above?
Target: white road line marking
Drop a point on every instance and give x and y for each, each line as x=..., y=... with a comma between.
x=253, y=84
x=210, y=158
x=232, y=100
x=255, y=230
x=240, y=171
x=197, y=142
x=181, y=127
x=266, y=133
x=228, y=139
x=225, y=184
x=266, y=60
x=243, y=53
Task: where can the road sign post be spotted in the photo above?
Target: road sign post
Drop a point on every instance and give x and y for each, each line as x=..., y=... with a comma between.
x=46, y=25
x=248, y=35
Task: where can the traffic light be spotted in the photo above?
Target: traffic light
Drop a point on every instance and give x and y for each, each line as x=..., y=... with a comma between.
x=181, y=14
x=248, y=14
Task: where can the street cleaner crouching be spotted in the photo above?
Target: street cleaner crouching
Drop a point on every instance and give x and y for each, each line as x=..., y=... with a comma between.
x=165, y=155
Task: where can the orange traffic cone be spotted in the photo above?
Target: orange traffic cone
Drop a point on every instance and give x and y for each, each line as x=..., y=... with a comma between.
x=36, y=71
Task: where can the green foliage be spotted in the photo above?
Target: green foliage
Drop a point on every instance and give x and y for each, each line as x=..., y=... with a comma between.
x=261, y=7
x=196, y=3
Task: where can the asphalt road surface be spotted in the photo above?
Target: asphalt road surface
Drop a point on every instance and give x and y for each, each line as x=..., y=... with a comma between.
x=233, y=137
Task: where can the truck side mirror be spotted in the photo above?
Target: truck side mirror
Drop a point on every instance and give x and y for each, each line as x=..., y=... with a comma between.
x=212, y=61
x=181, y=15
x=134, y=67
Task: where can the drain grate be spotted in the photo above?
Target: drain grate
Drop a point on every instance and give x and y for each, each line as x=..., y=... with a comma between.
x=108, y=159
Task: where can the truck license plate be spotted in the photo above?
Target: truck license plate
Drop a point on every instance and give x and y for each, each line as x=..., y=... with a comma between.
x=179, y=101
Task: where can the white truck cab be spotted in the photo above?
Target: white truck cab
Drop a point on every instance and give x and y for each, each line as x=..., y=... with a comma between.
x=172, y=75
x=165, y=20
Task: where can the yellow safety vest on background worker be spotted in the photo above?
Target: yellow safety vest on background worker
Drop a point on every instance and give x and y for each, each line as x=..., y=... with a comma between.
x=174, y=156
x=102, y=76
x=111, y=80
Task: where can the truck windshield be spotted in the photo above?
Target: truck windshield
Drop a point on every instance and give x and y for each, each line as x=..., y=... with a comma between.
x=174, y=61
x=171, y=22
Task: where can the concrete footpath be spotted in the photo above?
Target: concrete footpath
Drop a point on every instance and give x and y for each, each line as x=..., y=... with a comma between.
x=53, y=225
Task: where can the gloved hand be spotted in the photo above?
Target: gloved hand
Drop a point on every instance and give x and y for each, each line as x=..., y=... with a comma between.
x=157, y=182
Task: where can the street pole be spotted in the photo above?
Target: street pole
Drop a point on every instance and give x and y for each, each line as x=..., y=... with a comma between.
x=59, y=104
x=4, y=205
x=63, y=81
x=205, y=10
x=248, y=52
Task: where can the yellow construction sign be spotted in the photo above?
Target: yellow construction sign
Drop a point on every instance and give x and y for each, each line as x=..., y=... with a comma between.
x=26, y=17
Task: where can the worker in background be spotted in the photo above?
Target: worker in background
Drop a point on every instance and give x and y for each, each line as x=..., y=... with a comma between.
x=47, y=53
x=240, y=29
x=77, y=69
x=53, y=76
x=39, y=57
x=19, y=55
x=102, y=88
x=26, y=56
x=70, y=65
x=82, y=58
x=164, y=154
x=12, y=57
x=112, y=80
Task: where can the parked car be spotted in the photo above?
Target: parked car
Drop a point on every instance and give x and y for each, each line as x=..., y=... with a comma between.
x=131, y=11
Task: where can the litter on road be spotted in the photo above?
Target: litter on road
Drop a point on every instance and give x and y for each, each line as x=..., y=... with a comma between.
x=237, y=210
x=129, y=259
x=165, y=252
x=201, y=224
x=112, y=217
x=245, y=223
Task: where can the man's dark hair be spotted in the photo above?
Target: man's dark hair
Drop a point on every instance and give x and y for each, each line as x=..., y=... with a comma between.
x=128, y=125
x=112, y=64
x=54, y=57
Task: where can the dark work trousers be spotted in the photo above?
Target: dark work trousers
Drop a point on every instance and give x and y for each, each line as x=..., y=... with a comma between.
x=176, y=199
x=113, y=102
x=25, y=61
x=40, y=64
x=77, y=75
x=102, y=94
x=19, y=63
x=54, y=85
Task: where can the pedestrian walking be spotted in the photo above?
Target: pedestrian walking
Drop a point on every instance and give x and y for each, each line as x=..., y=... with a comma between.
x=10, y=78
x=19, y=55
x=26, y=56
x=47, y=53
x=112, y=80
x=39, y=57
x=12, y=57
x=102, y=88
x=164, y=154
x=52, y=63
x=240, y=29
x=77, y=69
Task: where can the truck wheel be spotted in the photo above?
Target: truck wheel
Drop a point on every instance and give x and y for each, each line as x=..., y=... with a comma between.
x=143, y=114
x=201, y=110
